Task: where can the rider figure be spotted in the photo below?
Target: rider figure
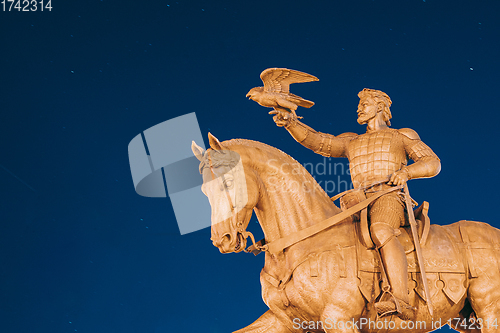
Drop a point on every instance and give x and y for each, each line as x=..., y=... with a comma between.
x=380, y=154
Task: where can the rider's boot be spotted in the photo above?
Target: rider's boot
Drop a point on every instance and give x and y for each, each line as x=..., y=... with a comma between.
x=396, y=268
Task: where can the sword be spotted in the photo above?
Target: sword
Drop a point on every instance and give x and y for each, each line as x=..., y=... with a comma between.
x=418, y=250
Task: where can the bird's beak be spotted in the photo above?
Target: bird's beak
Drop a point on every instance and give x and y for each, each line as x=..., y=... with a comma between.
x=248, y=95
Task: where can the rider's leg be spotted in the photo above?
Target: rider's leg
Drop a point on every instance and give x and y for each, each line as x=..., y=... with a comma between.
x=393, y=257
x=386, y=215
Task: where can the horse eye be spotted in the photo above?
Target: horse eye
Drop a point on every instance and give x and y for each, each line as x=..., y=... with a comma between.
x=229, y=183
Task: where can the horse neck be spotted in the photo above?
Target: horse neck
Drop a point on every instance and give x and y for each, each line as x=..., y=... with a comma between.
x=290, y=198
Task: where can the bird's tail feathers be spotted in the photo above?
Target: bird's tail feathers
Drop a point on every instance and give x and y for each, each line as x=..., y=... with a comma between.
x=300, y=101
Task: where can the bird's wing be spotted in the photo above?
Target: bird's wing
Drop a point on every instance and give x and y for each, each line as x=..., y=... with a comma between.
x=279, y=79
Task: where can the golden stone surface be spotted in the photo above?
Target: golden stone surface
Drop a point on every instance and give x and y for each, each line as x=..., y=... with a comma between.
x=318, y=269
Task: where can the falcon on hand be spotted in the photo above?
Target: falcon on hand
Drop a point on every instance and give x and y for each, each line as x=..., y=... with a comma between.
x=276, y=91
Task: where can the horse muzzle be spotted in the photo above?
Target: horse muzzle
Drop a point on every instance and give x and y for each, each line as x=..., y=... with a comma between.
x=228, y=243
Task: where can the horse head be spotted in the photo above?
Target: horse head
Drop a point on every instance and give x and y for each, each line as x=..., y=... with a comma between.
x=230, y=192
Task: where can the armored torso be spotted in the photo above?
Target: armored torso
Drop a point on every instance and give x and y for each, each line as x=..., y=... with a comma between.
x=376, y=155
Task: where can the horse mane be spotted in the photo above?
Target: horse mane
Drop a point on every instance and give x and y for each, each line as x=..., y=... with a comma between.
x=262, y=146
x=255, y=144
x=273, y=151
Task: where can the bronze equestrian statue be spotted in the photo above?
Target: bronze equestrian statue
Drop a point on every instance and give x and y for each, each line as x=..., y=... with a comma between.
x=331, y=269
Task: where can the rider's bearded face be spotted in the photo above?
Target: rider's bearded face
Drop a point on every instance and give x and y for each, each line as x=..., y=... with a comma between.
x=367, y=109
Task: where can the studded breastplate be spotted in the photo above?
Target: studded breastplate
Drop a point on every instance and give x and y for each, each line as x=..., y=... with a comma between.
x=376, y=155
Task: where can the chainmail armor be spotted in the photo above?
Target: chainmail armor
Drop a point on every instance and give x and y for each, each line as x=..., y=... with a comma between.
x=374, y=156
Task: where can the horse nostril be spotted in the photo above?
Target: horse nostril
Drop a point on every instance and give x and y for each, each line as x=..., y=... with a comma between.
x=225, y=239
x=228, y=236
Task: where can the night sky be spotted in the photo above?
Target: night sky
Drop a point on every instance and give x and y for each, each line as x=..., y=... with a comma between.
x=81, y=251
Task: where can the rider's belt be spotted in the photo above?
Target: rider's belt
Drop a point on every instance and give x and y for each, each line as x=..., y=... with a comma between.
x=354, y=196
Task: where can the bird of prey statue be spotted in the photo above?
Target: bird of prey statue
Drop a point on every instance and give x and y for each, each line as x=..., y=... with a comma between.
x=276, y=91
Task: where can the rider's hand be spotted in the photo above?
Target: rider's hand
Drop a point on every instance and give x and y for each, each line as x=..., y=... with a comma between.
x=282, y=118
x=399, y=177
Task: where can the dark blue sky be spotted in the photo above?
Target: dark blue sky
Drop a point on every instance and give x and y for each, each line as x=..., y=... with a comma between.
x=81, y=251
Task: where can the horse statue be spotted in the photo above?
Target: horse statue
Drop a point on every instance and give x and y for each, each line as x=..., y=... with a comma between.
x=329, y=281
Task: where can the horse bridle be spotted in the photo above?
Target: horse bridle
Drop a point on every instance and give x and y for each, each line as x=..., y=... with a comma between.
x=234, y=212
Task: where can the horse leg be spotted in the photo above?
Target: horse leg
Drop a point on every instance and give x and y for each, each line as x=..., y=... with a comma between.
x=268, y=322
x=487, y=318
x=336, y=319
x=465, y=324
x=484, y=296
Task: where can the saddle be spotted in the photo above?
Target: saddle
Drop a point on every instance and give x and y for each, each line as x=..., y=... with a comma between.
x=444, y=261
x=423, y=225
x=444, y=265
x=450, y=254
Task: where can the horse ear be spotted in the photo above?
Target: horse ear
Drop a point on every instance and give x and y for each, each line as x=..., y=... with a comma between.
x=214, y=142
x=197, y=151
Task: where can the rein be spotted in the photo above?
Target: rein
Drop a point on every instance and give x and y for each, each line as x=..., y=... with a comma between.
x=282, y=243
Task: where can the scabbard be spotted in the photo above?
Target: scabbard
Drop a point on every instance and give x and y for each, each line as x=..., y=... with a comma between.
x=418, y=249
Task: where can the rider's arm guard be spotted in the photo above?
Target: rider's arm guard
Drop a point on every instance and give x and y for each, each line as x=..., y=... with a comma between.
x=427, y=164
x=321, y=143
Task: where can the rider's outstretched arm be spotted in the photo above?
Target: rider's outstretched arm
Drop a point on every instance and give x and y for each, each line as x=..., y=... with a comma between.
x=321, y=143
